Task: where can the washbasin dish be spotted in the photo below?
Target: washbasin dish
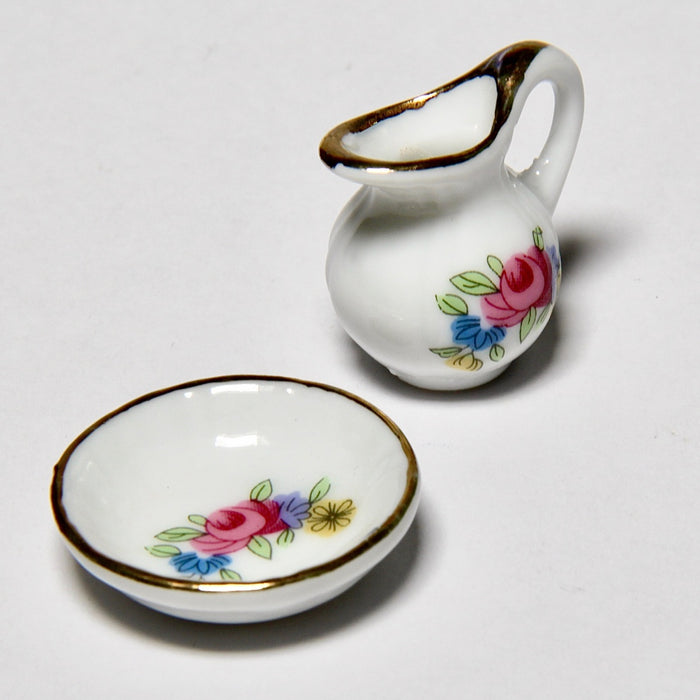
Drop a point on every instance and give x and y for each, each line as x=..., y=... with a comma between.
x=236, y=499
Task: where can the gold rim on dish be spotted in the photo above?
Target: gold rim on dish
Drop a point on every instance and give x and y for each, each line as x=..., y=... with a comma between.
x=73, y=536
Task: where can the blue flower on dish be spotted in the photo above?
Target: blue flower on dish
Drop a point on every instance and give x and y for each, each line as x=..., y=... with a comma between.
x=192, y=563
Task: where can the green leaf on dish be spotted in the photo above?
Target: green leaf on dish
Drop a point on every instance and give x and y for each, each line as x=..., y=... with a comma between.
x=229, y=575
x=261, y=491
x=320, y=489
x=260, y=546
x=179, y=534
x=286, y=537
x=163, y=550
x=197, y=519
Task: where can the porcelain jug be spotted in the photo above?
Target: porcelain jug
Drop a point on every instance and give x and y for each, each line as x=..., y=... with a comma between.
x=444, y=266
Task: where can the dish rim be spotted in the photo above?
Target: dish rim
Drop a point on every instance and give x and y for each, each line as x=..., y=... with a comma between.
x=72, y=535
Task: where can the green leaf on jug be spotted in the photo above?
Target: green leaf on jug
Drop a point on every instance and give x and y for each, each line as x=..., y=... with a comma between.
x=544, y=314
x=261, y=491
x=163, y=550
x=495, y=264
x=497, y=352
x=446, y=352
x=527, y=323
x=476, y=283
x=452, y=304
x=538, y=237
x=178, y=534
x=229, y=575
x=319, y=490
x=197, y=519
x=286, y=537
x=260, y=546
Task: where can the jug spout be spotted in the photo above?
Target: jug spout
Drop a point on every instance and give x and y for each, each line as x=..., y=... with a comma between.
x=472, y=117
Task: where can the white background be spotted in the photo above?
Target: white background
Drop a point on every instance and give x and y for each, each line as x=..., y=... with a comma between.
x=164, y=216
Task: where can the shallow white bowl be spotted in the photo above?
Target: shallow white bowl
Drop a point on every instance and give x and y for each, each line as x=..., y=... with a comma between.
x=236, y=499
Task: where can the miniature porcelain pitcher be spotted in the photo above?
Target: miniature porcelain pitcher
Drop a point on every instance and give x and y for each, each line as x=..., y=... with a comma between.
x=444, y=266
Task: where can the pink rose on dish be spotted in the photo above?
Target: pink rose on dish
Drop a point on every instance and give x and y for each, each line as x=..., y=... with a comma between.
x=230, y=529
x=526, y=281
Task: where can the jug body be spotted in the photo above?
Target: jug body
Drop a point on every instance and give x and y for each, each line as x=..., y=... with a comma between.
x=445, y=294
x=445, y=266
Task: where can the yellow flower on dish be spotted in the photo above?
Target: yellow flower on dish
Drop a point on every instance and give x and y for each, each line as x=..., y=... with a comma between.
x=328, y=516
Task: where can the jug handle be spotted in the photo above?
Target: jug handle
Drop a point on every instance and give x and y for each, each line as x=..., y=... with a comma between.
x=546, y=176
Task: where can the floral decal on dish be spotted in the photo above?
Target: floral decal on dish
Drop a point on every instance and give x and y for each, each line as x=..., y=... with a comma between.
x=246, y=527
x=521, y=296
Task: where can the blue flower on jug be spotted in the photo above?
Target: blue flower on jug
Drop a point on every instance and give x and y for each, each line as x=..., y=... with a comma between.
x=467, y=330
x=555, y=259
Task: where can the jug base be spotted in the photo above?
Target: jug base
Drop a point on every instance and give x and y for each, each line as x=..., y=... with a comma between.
x=461, y=380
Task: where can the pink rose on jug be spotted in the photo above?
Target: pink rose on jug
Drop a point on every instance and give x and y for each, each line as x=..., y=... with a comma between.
x=526, y=282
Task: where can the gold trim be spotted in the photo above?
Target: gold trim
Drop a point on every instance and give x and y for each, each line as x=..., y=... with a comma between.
x=70, y=532
x=507, y=67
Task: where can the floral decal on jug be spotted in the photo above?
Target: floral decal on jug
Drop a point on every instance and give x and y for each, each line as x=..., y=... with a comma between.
x=521, y=297
x=247, y=525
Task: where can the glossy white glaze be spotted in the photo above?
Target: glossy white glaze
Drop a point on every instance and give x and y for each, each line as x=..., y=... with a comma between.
x=459, y=120
x=445, y=265
x=150, y=500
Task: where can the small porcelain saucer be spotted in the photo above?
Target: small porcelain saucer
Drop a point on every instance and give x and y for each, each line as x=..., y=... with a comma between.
x=236, y=499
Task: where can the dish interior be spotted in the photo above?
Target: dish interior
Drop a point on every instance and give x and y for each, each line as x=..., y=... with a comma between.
x=238, y=480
